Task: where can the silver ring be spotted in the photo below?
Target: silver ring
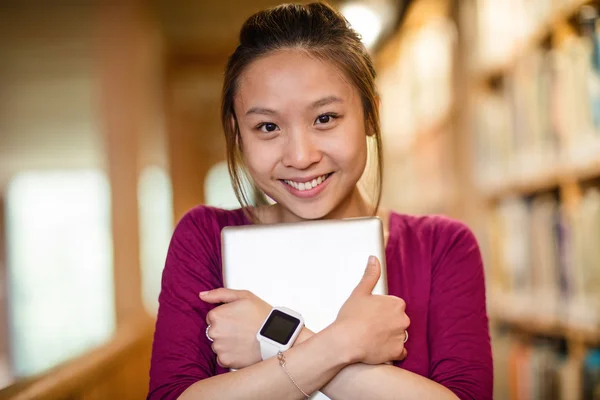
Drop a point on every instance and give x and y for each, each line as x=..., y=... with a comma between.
x=405, y=339
x=211, y=339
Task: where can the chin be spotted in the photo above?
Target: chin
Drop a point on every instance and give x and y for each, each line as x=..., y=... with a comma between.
x=309, y=211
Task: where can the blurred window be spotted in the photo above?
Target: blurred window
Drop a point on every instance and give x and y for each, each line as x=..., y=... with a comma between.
x=219, y=192
x=156, y=227
x=218, y=189
x=59, y=266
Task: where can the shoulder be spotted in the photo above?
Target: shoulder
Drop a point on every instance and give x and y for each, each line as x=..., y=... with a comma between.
x=438, y=226
x=208, y=218
x=444, y=236
x=196, y=241
x=203, y=224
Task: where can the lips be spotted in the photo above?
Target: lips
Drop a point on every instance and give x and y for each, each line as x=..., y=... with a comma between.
x=307, y=187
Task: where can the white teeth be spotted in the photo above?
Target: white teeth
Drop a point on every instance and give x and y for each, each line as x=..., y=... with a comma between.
x=302, y=186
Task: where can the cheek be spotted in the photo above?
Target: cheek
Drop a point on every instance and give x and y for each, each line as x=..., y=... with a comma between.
x=358, y=157
x=352, y=149
x=259, y=157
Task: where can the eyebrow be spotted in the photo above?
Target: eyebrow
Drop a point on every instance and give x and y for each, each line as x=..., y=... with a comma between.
x=319, y=103
x=325, y=101
x=261, y=110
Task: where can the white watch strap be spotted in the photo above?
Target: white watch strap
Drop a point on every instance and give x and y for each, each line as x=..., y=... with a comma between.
x=267, y=350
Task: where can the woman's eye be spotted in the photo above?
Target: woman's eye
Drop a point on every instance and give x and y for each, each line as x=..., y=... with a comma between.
x=324, y=119
x=268, y=127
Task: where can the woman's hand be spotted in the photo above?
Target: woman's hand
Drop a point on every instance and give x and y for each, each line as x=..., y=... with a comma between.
x=375, y=325
x=233, y=326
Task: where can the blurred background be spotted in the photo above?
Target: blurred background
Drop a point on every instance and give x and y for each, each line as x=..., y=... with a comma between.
x=110, y=132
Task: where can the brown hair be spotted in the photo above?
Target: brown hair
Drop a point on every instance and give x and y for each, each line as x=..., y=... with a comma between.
x=325, y=34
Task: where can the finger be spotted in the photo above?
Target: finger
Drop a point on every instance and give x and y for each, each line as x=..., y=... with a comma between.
x=370, y=277
x=225, y=312
x=222, y=295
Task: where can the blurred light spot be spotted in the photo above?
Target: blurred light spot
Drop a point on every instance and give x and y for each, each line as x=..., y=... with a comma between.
x=364, y=20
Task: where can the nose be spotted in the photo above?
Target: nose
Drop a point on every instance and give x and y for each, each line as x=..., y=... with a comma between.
x=299, y=151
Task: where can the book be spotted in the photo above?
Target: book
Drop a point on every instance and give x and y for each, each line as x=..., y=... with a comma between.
x=545, y=259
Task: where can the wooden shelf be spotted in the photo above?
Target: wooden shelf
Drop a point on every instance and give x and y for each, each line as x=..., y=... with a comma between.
x=582, y=173
x=544, y=31
x=546, y=181
x=542, y=182
x=552, y=329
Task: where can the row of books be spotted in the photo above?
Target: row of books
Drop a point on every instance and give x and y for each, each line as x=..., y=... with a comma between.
x=503, y=27
x=543, y=260
x=541, y=369
x=546, y=113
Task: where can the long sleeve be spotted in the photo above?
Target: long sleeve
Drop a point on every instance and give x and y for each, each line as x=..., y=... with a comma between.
x=181, y=354
x=459, y=341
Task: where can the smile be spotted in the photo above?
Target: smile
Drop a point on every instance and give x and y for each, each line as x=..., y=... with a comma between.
x=302, y=186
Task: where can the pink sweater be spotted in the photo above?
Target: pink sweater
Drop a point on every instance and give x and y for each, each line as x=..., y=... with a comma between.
x=433, y=263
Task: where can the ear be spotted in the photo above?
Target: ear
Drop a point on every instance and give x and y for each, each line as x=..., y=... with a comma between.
x=378, y=105
x=234, y=125
x=368, y=129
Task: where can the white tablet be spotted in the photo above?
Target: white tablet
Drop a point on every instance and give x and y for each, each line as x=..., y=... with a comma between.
x=310, y=267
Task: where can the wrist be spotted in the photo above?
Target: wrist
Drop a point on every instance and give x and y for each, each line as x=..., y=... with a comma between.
x=349, y=350
x=304, y=335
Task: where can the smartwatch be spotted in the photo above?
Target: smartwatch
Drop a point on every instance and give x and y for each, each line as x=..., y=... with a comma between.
x=279, y=331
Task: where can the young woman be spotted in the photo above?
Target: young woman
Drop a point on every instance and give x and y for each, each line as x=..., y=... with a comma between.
x=299, y=108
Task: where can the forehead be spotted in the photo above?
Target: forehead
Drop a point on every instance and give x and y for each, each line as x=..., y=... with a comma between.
x=291, y=76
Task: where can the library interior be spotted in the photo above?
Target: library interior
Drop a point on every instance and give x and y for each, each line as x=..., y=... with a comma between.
x=110, y=132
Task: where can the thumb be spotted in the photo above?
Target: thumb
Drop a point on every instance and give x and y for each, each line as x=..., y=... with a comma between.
x=222, y=295
x=370, y=277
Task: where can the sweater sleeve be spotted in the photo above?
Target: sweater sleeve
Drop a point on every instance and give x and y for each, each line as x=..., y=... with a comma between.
x=460, y=350
x=181, y=353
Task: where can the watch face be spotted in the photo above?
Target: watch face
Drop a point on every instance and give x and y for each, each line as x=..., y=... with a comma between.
x=280, y=327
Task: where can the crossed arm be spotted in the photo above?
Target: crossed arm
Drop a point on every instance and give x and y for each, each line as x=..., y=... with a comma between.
x=332, y=361
x=183, y=363
x=318, y=364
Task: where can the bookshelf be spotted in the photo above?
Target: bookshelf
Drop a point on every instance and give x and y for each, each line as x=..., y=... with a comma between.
x=532, y=73
x=561, y=14
x=415, y=80
x=509, y=141
x=548, y=328
x=546, y=180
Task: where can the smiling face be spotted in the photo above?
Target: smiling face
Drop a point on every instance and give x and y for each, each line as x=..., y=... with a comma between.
x=303, y=135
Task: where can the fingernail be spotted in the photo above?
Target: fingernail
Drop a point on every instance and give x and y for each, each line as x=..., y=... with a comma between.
x=203, y=293
x=371, y=259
